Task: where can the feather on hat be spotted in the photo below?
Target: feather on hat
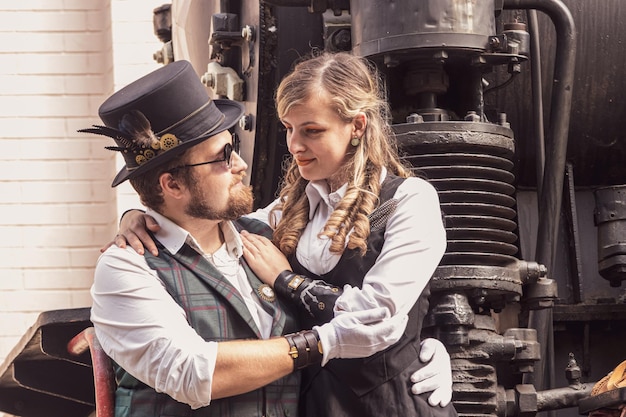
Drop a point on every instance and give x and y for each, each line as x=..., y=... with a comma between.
x=157, y=117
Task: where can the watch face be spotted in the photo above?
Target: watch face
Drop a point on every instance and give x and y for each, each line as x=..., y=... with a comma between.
x=295, y=282
x=266, y=293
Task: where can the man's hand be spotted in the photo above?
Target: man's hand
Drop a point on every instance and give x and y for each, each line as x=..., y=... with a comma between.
x=134, y=227
x=436, y=375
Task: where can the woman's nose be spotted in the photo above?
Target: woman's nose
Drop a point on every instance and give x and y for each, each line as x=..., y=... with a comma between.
x=294, y=144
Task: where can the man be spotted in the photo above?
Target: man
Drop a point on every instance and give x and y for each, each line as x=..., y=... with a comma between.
x=194, y=328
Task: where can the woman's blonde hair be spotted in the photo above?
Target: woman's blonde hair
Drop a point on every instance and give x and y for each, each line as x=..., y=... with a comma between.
x=353, y=86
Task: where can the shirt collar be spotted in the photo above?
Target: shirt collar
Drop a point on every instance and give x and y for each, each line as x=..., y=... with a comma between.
x=173, y=237
x=318, y=191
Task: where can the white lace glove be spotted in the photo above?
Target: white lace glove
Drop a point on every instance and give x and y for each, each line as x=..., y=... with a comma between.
x=359, y=334
x=436, y=375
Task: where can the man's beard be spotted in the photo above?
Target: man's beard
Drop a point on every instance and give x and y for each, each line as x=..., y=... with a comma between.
x=239, y=203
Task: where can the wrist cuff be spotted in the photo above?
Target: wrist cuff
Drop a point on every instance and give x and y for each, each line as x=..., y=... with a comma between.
x=304, y=348
x=287, y=282
x=316, y=297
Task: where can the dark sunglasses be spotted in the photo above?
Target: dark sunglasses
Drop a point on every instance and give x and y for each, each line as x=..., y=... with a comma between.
x=229, y=148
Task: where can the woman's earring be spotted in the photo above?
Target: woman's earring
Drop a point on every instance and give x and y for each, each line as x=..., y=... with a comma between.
x=355, y=141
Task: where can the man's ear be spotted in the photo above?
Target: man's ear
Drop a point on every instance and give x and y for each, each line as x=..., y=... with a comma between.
x=170, y=185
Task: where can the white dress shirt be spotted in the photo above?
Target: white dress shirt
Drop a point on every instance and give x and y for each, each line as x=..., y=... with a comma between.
x=145, y=331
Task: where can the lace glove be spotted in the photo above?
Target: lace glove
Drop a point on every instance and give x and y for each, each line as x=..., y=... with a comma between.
x=315, y=296
x=436, y=375
x=359, y=334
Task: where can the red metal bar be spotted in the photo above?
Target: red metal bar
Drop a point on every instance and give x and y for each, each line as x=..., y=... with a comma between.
x=103, y=375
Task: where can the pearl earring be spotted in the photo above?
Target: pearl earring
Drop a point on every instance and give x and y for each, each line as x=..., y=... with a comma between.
x=355, y=141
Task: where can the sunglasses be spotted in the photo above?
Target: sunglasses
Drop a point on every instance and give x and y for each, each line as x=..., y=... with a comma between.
x=229, y=148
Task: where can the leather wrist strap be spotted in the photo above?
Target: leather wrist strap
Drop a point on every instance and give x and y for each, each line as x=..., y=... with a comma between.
x=287, y=282
x=314, y=296
x=304, y=348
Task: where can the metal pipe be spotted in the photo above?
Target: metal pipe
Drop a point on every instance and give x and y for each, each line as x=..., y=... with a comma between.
x=559, y=398
x=551, y=197
x=537, y=95
x=552, y=193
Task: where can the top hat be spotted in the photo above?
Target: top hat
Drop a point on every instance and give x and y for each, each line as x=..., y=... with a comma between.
x=159, y=116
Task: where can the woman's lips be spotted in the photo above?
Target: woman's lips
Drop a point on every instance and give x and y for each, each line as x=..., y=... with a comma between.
x=303, y=162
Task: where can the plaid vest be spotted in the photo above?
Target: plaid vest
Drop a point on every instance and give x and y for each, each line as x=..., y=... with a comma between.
x=218, y=312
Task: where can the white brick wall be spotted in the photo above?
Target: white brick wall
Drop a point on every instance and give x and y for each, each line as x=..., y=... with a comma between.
x=59, y=59
x=135, y=43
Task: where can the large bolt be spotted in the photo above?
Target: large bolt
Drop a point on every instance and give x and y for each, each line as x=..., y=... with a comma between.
x=245, y=123
x=208, y=79
x=526, y=400
x=414, y=118
x=247, y=33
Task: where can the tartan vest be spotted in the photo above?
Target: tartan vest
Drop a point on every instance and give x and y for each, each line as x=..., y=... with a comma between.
x=216, y=310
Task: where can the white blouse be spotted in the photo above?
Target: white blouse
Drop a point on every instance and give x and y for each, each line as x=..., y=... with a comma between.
x=415, y=241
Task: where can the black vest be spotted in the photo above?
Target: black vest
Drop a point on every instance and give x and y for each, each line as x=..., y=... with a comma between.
x=377, y=385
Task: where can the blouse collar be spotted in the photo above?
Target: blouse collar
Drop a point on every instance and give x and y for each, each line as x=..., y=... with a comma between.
x=318, y=192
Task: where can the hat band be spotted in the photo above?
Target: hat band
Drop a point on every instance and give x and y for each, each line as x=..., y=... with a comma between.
x=183, y=131
x=215, y=126
x=184, y=119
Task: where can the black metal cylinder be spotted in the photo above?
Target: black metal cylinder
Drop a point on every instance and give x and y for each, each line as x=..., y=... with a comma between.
x=392, y=26
x=610, y=218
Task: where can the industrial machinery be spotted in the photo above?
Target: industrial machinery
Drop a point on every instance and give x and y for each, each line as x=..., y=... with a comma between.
x=512, y=109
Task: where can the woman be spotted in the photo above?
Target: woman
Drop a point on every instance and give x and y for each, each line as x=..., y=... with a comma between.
x=355, y=232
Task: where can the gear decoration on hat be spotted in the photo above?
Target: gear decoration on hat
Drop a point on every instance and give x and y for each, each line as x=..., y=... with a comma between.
x=135, y=136
x=168, y=141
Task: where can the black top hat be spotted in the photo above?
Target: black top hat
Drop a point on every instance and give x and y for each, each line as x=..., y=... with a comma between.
x=157, y=117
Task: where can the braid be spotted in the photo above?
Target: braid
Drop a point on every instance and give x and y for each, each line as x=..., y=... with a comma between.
x=352, y=214
x=295, y=209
